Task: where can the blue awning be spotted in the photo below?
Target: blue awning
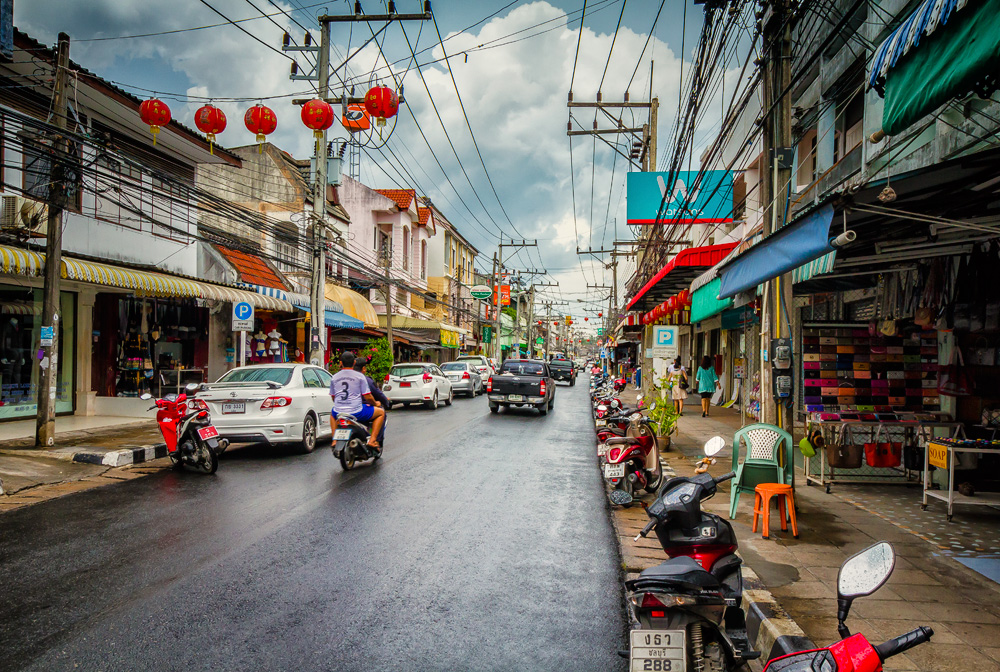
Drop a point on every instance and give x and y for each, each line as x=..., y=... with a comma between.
x=302, y=302
x=263, y=290
x=796, y=244
x=342, y=321
x=923, y=21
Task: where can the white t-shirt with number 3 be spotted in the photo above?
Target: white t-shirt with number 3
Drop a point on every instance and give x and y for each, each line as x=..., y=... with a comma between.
x=347, y=388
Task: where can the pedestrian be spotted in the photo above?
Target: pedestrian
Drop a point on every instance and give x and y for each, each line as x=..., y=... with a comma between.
x=708, y=382
x=677, y=375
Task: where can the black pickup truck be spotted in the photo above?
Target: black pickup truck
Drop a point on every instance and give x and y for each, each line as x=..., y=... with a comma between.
x=563, y=369
x=522, y=382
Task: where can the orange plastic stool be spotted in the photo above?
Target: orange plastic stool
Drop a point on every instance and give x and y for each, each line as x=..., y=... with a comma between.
x=762, y=506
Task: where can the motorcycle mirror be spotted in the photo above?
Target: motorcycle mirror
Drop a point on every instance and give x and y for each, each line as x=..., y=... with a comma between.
x=714, y=445
x=638, y=398
x=145, y=396
x=652, y=406
x=861, y=575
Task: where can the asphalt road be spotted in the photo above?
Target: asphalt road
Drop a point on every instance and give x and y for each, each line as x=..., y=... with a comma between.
x=480, y=542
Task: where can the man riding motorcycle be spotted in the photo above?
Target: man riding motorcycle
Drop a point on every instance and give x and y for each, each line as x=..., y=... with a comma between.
x=351, y=395
x=381, y=400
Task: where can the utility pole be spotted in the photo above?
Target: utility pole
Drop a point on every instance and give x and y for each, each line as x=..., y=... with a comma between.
x=387, y=260
x=496, y=310
x=777, y=154
x=45, y=421
x=498, y=262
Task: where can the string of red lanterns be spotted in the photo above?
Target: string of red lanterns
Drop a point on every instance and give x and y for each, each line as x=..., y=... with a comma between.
x=669, y=308
x=155, y=113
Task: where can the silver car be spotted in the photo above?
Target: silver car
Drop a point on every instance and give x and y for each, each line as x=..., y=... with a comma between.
x=419, y=382
x=271, y=403
x=480, y=364
x=464, y=377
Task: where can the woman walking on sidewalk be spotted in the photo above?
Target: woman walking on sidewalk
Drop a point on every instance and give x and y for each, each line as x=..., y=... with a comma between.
x=708, y=382
x=677, y=375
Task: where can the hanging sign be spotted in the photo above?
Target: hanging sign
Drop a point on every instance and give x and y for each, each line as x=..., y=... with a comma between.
x=242, y=316
x=481, y=292
x=487, y=334
x=504, y=296
x=664, y=341
x=689, y=200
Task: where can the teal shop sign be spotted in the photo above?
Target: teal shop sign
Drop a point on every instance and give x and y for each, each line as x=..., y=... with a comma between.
x=688, y=201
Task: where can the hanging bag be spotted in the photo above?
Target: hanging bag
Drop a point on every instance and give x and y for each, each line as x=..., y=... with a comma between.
x=845, y=454
x=883, y=454
x=954, y=379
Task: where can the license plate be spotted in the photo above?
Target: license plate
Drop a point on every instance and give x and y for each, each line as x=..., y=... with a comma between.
x=453, y=378
x=233, y=407
x=209, y=432
x=661, y=650
x=342, y=435
x=602, y=423
x=515, y=397
x=614, y=470
x=405, y=384
x=602, y=449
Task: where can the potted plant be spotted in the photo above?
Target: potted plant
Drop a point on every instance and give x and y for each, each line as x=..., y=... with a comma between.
x=663, y=417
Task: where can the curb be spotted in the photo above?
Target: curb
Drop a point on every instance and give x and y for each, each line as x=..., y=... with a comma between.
x=120, y=458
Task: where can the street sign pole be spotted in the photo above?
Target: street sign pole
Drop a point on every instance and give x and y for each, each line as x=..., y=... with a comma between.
x=243, y=318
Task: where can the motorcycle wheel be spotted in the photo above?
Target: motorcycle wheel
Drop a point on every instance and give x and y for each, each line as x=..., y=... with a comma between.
x=652, y=486
x=208, y=461
x=176, y=462
x=347, y=458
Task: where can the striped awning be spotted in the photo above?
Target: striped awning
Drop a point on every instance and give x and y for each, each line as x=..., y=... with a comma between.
x=264, y=290
x=21, y=262
x=233, y=295
x=143, y=283
x=304, y=301
x=923, y=21
x=20, y=308
x=815, y=267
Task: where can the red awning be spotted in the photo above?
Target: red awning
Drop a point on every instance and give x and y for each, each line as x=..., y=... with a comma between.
x=678, y=273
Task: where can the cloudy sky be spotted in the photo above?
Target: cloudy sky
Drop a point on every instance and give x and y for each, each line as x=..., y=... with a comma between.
x=512, y=62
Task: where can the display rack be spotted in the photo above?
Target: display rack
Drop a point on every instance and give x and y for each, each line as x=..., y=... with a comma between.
x=916, y=432
x=941, y=453
x=174, y=380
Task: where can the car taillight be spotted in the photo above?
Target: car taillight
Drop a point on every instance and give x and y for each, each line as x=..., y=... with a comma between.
x=489, y=384
x=387, y=377
x=541, y=387
x=466, y=376
x=343, y=423
x=198, y=404
x=276, y=402
x=428, y=378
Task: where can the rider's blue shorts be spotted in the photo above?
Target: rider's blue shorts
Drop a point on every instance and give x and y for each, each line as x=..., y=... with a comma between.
x=364, y=415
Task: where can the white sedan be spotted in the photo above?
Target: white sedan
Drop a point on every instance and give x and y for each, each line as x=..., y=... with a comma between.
x=271, y=403
x=419, y=382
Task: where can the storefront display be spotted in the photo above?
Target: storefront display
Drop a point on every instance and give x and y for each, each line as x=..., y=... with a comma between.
x=20, y=332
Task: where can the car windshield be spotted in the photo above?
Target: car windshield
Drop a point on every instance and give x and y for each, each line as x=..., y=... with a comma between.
x=522, y=368
x=472, y=360
x=248, y=374
x=407, y=370
x=454, y=366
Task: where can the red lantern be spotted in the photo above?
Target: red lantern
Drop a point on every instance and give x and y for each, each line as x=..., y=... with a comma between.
x=381, y=102
x=600, y=314
x=586, y=319
x=210, y=120
x=318, y=115
x=261, y=121
x=539, y=323
x=555, y=324
x=155, y=113
x=569, y=321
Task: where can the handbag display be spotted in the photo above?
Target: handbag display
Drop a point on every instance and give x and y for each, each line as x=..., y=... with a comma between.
x=954, y=380
x=883, y=454
x=991, y=417
x=843, y=454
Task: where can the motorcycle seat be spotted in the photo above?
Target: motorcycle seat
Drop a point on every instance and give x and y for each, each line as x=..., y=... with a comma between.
x=622, y=441
x=680, y=572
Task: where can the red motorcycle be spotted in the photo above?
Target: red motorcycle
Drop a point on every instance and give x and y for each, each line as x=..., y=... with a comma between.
x=860, y=575
x=192, y=441
x=632, y=463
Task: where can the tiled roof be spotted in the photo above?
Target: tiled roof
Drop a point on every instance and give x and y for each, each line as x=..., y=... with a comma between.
x=402, y=197
x=252, y=269
x=425, y=214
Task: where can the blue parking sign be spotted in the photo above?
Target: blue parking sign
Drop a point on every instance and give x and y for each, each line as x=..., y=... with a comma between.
x=664, y=341
x=242, y=316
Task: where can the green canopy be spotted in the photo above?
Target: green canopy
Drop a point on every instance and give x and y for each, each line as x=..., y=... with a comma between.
x=705, y=301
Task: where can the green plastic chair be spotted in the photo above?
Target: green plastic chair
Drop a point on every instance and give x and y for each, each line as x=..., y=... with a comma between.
x=761, y=464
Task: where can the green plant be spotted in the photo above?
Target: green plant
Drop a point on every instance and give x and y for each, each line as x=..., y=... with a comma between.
x=380, y=358
x=664, y=417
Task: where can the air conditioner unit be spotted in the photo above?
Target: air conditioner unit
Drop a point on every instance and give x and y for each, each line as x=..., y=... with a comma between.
x=24, y=215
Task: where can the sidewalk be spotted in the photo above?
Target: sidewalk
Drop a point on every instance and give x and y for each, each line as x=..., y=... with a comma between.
x=930, y=586
x=88, y=452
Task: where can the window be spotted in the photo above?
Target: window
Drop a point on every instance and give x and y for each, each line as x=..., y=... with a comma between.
x=310, y=378
x=384, y=247
x=325, y=377
x=259, y=374
x=37, y=173
x=405, y=370
x=423, y=260
x=286, y=255
x=406, y=249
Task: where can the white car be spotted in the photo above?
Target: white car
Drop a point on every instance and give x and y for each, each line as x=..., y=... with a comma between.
x=272, y=403
x=482, y=365
x=419, y=382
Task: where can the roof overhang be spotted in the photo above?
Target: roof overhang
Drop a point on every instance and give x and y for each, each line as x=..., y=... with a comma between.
x=677, y=274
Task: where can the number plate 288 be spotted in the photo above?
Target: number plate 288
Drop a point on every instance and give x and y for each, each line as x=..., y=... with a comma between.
x=657, y=651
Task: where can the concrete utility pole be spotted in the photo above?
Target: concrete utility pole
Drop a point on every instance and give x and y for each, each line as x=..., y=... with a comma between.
x=387, y=260
x=45, y=421
x=496, y=310
x=498, y=262
x=317, y=299
x=777, y=155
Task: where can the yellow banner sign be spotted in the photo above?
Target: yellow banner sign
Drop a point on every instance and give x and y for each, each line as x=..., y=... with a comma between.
x=937, y=455
x=449, y=339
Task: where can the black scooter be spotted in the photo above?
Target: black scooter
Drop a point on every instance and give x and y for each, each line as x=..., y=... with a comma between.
x=687, y=610
x=350, y=442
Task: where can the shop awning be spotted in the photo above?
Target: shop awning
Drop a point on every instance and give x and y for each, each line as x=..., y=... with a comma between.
x=705, y=301
x=304, y=302
x=20, y=308
x=796, y=244
x=677, y=274
x=264, y=290
x=21, y=262
x=815, y=267
x=233, y=295
x=945, y=49
x=353, y=303
x=339, y=320
x=143, y=283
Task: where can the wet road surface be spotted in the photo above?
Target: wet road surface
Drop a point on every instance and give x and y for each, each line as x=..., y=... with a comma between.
x=480, y=542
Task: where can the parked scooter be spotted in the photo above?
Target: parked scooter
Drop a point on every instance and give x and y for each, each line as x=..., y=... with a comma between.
x=860, y=576
x=633, y=461
x=350, y=442
x=687, y=609
x=192, y=441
